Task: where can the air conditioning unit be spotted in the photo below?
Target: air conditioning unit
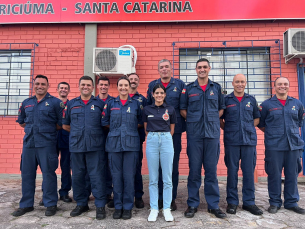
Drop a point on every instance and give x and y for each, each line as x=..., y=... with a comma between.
x=113, y=61
x=294, y=43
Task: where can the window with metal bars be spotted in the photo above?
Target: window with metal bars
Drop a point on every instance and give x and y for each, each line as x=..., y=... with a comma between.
x=15, y=79
x=225, y=63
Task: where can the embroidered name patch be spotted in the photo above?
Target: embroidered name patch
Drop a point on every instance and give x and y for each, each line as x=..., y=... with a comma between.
x=232, y=105
x=29, y=106
x=115, y=108
x=192, y=95
x=76, y=107
x=276, y=108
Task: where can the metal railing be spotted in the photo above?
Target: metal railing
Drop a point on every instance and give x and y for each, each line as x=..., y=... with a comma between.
x=16, y=75
x=258, y=60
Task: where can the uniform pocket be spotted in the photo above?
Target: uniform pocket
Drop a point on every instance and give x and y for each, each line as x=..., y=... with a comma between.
x=231, y=113
x=268, y=166
x=249, y=113
x=96, y=138
x=132, y=140
x=173, y=99
x=29, y=115
x=75, y=140
x=53, y=161
x=132, y=120
x=213, y=102
x=194, y=103
x=77, y=116
x=113, y=142
x=299, y=165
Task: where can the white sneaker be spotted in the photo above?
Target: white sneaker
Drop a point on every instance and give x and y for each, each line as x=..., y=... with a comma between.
x=168, y=215
x=153, y=215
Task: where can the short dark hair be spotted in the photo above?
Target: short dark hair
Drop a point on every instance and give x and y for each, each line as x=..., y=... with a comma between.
x=103, y=78
x=159, y=86
x=86, y=78
x=133, y=74
x=203, y=60
x=281, y=77
x=42, y=77
x=123, y=78
x=65, y=83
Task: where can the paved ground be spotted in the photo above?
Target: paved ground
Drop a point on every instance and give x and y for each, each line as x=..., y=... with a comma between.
x=10, y=193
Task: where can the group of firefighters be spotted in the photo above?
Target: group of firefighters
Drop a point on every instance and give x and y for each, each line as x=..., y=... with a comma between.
x=101, y=140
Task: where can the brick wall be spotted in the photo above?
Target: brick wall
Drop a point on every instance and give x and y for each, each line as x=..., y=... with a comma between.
x=60, y=56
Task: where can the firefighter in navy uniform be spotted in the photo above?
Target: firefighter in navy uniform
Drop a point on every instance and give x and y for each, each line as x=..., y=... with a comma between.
x=281, y=119
x=63, y=90
x=238, y=121
x=134, y=94
x=82, y=118
x=173, y=88
x=123, y=116
x=102, y=85
x=40, y=116
x=202, y=103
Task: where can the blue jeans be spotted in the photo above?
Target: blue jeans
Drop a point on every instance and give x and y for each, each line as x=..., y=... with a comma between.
x=159, y=148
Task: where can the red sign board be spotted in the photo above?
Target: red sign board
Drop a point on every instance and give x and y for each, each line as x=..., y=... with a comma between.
x=94, y=11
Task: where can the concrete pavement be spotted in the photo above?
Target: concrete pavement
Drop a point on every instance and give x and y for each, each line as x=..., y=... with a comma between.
x=10, y=193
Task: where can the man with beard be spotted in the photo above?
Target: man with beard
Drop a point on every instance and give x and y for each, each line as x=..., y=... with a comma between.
x=134, y=94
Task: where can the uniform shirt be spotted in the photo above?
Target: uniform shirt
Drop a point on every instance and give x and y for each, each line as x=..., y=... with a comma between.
x=202, y=109
x=159, y=118
x=239, y=120
x=40, y=119
x=106, y=130
x=173, y=93
x=143, y=101
x=282, y=123
x=63, y=137
x=86, y=133
x=123, y=125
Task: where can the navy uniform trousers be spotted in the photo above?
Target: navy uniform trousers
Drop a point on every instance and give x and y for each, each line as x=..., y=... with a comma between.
x=123, y=167
x=203, y=151
x=109, y=187
x=66, y=180
x=247, y=155
x=275, y=161
x=47, y=159
x=175, y=174
x=94, y=162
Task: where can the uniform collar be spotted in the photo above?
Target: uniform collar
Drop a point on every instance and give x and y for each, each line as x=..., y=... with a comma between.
x=170, y=82
x=92, y=97
x=98, y=96
x=46, y=96
x=195, y=84
x=118, y=98
x=231, y=95
x=137, y=93
x=275, y=98
x=163, y=105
